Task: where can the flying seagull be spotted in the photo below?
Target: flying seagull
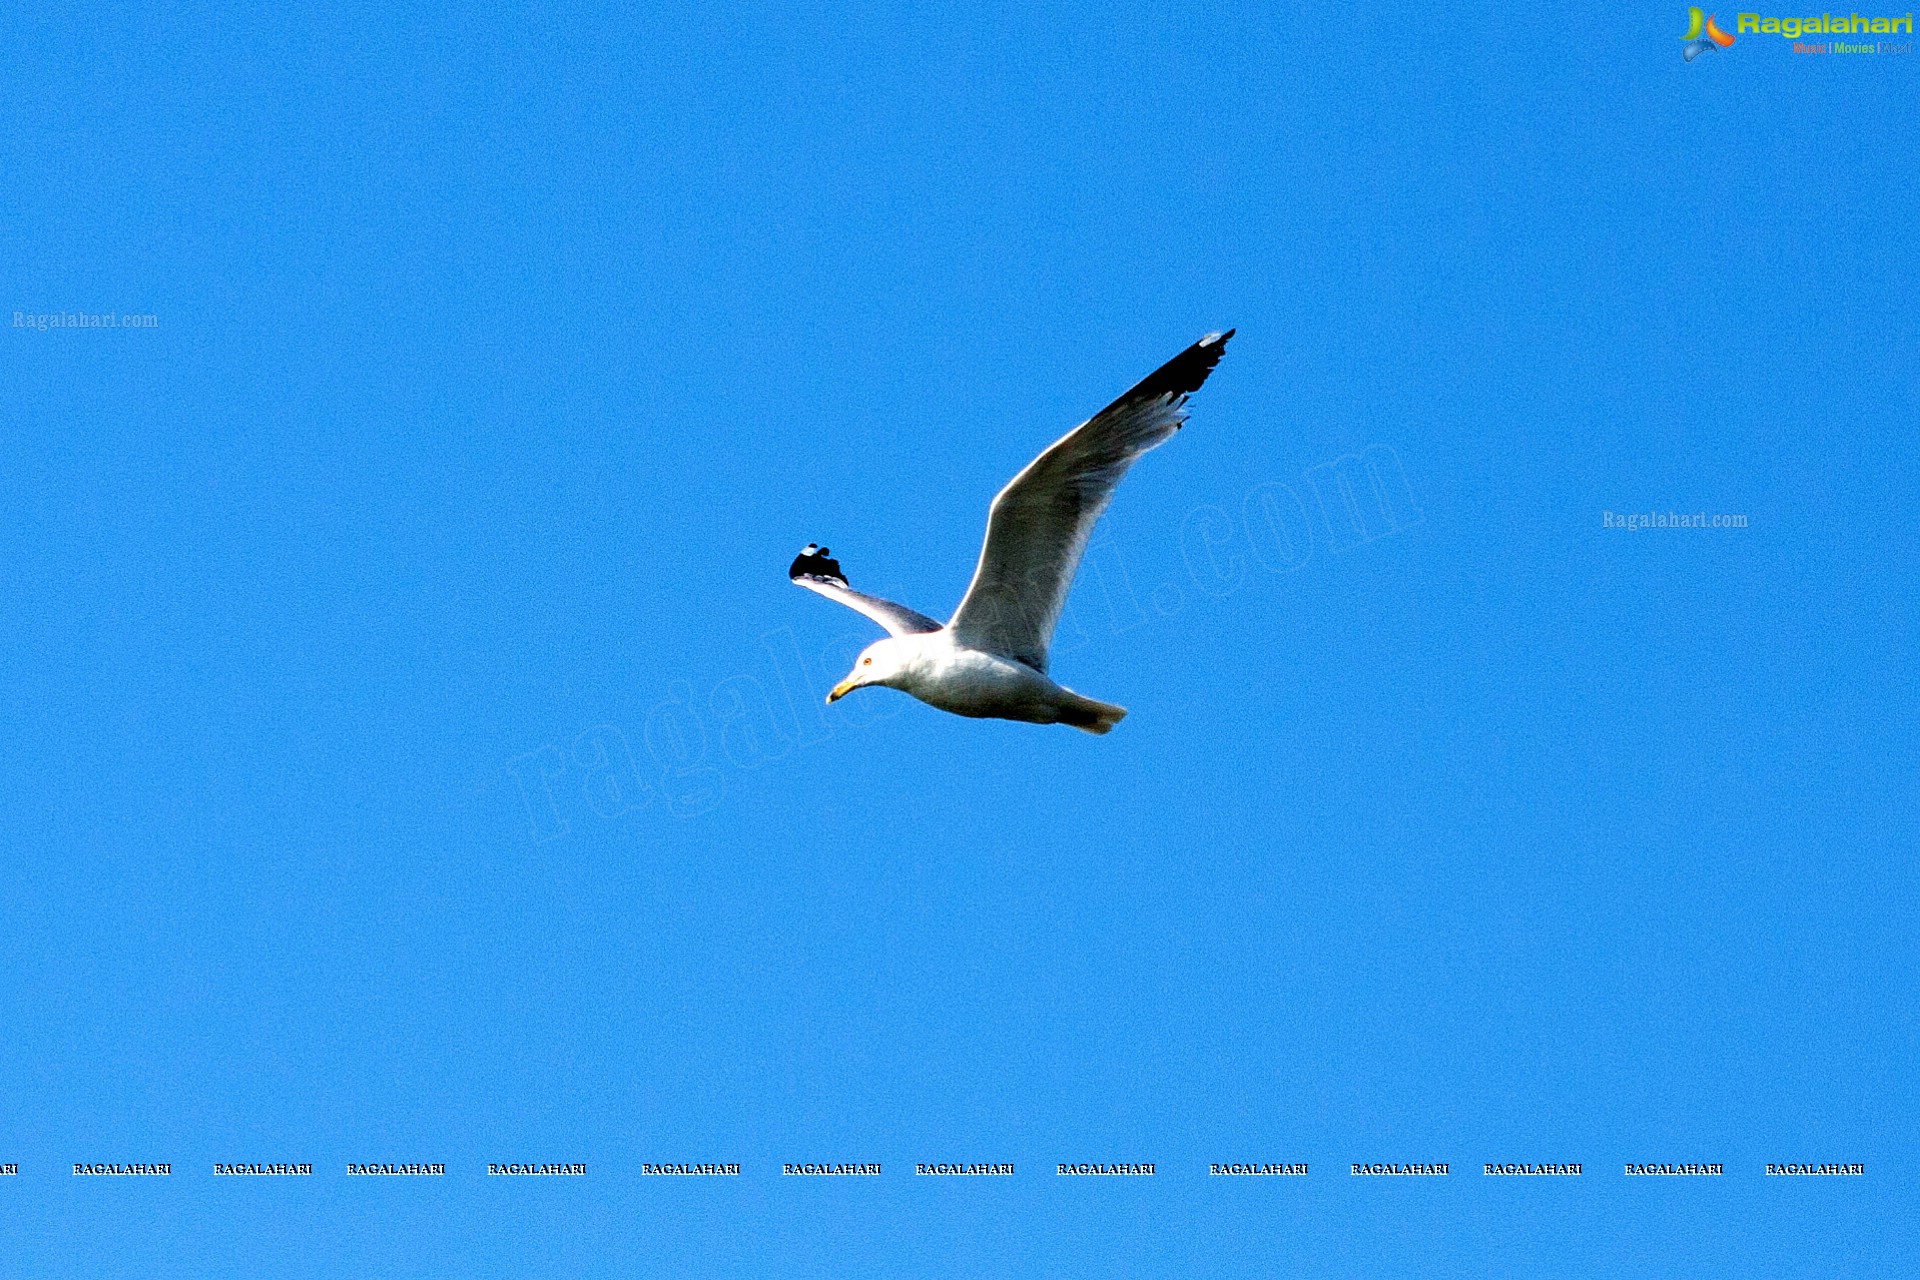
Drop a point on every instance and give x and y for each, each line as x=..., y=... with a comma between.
x=990, y=659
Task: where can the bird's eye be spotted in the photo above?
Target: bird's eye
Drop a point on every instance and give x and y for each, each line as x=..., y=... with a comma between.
x=866, y=662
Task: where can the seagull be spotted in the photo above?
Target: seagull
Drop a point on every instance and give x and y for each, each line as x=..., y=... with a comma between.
x=990, y=659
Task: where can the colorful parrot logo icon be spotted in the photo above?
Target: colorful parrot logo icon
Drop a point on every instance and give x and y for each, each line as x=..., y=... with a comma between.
x=1699, y=43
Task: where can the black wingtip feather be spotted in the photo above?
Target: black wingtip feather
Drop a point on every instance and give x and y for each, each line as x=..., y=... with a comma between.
x=815, y=563
x=1184, y=373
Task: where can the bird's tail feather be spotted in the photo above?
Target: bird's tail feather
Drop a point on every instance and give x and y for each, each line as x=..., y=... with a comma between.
x=1094, y=717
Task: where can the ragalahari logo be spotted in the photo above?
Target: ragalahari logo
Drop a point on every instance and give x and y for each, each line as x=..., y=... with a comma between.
x=1703, y=35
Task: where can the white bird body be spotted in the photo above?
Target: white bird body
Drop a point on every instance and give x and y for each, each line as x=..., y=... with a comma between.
x=940, y=671
x=990, y=659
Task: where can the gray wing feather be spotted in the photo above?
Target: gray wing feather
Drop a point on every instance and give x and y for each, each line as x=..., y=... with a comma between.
x=1038, y=526
x=896, y=618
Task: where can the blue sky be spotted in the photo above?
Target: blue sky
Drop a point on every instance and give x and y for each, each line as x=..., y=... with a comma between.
x=415, y=750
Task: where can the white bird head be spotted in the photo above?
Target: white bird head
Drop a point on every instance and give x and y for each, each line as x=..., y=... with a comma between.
x=879, y=663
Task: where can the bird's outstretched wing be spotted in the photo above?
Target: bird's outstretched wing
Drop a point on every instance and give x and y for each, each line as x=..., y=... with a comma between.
x=815, y=571
x=1039, y=524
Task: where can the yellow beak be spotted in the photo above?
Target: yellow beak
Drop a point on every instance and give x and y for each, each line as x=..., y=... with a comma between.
x=842, y=689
